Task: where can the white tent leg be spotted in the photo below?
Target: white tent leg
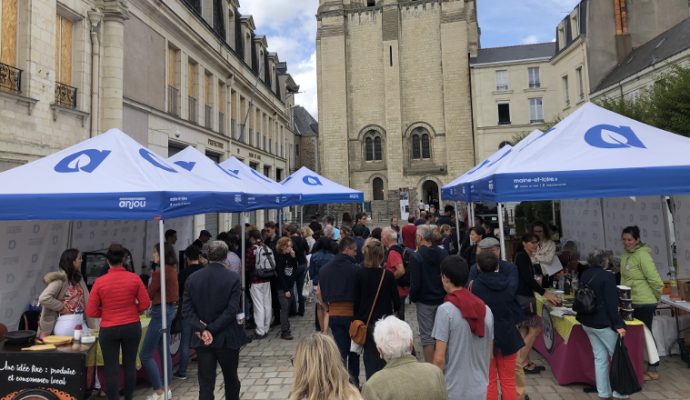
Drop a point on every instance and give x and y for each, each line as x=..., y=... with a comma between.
x=242, y=267
x=164, y=319
x=501, y=234
x=301, y=216
x=457, y=225
x=470, y=214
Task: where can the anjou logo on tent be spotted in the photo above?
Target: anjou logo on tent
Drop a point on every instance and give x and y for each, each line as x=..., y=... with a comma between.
x=312, y=180
x=85, y=160
x=154, y=160
x=613, y=137
x=132, y=202
x=188, y=165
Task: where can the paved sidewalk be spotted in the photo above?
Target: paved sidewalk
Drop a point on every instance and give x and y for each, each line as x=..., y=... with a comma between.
x=266, y=373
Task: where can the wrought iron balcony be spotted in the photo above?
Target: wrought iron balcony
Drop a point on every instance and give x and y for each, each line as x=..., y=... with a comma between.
x=208, y=123
x=10, y=78
x=65, y=95
x=173, y=101
x=191, y=101
x=221, y=123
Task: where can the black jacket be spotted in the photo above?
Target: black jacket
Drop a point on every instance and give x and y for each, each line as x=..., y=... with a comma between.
x=425, y=275
x=604, y=285
x=212, y=295
x=184, y=275
x=337, y=279
x=493, y=288
x=527, y=286
x=301, y=249
x=367, y=281
x=286, y=269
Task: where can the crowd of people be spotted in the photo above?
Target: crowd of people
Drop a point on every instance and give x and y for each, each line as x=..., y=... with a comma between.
x=475, y=312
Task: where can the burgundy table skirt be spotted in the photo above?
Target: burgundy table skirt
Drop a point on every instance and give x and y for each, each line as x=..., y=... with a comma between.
x=573, y=362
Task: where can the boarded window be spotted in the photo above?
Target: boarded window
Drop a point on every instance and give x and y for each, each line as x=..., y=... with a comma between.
x=63, y=50
x=8, y=35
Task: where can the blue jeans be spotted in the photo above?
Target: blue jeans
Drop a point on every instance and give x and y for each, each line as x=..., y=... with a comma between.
x=340, y=327
x=152, y=341
x=185, y=341
x=603, y=343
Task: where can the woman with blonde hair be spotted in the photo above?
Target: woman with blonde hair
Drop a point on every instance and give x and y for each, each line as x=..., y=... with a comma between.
x=376, y=296
x=308, y=235
x=319, y=371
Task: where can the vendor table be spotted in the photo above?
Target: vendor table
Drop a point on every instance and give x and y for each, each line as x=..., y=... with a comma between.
x=59, y=374
x=566, y=347
x=678, y=305
x=141, y=373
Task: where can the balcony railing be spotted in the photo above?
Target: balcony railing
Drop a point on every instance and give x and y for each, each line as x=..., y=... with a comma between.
x=534, y=84
x=191, y=102
x=208, y=123
x=173, y=101
x=65, y=95
x=10, y=78
x=221, y=123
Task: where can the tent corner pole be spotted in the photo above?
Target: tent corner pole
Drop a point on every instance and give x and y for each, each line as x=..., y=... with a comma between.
x=457, y=225
x=164, y=319
x=501, y=233
x=243, y=239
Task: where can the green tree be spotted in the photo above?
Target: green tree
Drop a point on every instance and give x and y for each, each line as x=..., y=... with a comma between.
x=666, y=105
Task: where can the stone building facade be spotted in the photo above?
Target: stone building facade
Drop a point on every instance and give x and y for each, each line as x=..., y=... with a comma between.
x=171, y=73
x=394, y=95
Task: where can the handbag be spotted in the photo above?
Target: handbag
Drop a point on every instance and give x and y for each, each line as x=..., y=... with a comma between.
x=622, y=374
x=308, y=287
x=358, y=329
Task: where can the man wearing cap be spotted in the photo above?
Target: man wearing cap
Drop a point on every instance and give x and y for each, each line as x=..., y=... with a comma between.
x=504, y=267
x=510, y=271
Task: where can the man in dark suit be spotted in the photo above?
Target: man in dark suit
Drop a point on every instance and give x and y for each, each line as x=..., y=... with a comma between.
x=211, y=306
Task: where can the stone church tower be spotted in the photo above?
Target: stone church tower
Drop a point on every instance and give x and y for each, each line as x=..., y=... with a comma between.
x=394, y=95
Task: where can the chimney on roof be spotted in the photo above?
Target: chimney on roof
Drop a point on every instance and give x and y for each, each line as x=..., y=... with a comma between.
x=623, y=38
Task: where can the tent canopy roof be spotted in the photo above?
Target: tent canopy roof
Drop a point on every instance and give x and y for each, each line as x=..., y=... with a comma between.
x=316, y=189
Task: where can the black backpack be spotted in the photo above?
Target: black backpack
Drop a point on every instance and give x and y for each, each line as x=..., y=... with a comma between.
x=406, y=254
x=585, y=299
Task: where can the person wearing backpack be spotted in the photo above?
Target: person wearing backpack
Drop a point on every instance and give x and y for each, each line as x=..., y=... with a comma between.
x=603, y=323
x=260, y=268
x=397, y=262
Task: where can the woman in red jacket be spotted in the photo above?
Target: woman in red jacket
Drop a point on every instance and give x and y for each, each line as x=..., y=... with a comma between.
x=118, y=298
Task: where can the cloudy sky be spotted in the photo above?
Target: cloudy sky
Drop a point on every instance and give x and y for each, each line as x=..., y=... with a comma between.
x=290, y=29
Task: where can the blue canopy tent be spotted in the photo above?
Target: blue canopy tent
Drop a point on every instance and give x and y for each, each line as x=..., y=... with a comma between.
x=259, y=192
x=316, y=189
x=107, y=177
x=591, y=153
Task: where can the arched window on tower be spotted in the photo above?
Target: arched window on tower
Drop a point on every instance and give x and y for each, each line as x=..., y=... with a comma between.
x=377, y=149
x=416, y=147
x=426, y=148
x=369, y=149
x=373, y=146
x=377, y=189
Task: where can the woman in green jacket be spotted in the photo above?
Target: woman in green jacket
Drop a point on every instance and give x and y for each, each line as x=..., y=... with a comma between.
x=639, y=273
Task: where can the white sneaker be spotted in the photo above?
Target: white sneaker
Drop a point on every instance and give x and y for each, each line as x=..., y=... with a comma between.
x=156, y=396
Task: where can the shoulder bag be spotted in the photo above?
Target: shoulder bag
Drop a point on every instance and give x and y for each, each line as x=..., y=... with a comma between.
x=358, y=329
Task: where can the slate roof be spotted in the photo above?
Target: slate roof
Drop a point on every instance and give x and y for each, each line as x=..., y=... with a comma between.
x=514, y=53
x=666, y=45
x=305, y=124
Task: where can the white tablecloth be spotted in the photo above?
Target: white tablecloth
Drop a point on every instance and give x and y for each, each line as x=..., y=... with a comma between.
x=665, y=334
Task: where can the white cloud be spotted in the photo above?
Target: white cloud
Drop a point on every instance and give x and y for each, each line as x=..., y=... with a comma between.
x=290, y=29
x=305, y=76
x=531, y=39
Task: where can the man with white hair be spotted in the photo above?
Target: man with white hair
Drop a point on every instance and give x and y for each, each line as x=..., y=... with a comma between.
x=426, y=289
x=403, y=377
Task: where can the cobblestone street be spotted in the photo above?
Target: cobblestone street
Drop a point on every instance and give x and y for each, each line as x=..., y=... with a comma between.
x=266, y=373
